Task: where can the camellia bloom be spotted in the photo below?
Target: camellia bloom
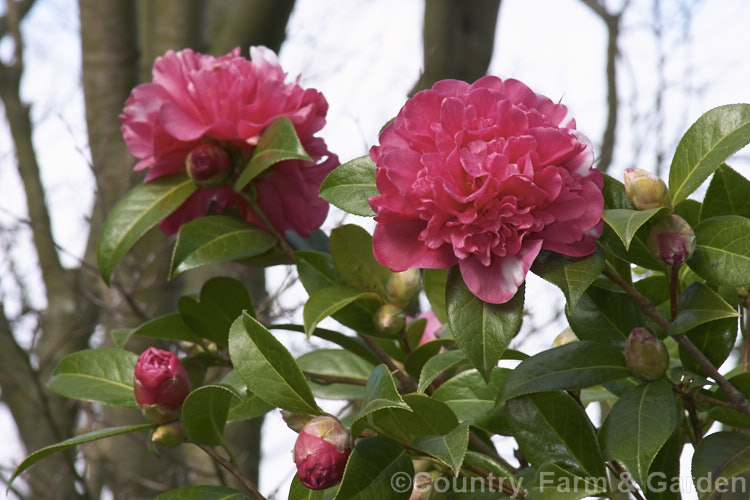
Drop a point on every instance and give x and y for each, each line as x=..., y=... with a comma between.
x=483, y=176
x=161, y=384
x=227, y=102
x=321, y=451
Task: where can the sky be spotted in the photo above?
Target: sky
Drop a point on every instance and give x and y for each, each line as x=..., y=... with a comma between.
x=365, y=55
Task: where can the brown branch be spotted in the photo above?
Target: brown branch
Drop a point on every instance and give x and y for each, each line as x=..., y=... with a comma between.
x=17, y=10
x=409, y=384
x=232, y=469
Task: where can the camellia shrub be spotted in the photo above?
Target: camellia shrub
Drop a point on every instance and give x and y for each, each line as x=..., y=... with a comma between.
x=472, y=186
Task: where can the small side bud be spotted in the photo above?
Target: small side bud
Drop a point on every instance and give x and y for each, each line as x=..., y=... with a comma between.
x=565, y=337
x=169, y=435
x=645, y=191
x=389, y=320
x=645, y=355
x=404, y=287
x=295, y=421
x=321, y=451
x=672, y=240
x=208, y=165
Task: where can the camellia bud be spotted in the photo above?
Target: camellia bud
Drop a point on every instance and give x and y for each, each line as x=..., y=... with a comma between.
x=208, y=165
x=644, y=190
x=169, y=435
x=565, y=337
x=645, y=355
x=321, y=451
x=402, y=288
x=672, y=240
x=161, y=385
x=389, y=320
x=295, y=421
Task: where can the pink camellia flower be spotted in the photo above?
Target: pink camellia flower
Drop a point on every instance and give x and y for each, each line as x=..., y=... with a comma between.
x=161, y=384
x=321, y=451
x=228, y=101
x=483, y=176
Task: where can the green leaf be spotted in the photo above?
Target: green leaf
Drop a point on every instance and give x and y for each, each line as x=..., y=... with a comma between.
x=573, y=276
x=169, y=327
x=414, y=331
x=665, y=469
x=449, y=449
x=335, y=363
x=649, y=414
x=99, y=375
x=553, y=427
x=698, y=305
x=571, y=366
x=718, y=458
x=202, y=493
x=327, y=301
x=246, y=405
x=434, y=281
x=426, y=416
x=690, y=210
x=626, y=223
x=120, y=336
x=638, y=253
x=727, y=194
x=380, y=393
x=483, y=331
x=486, y=463
x=370, y=469
x=204, y=414
x=278, y=142
x=722, y=253
x=217, y=238
x=470, y=397
x=351, y=250
x=437, y=365
x=298, y=491
x=350, y=185
x=714, y=339
x=561, y=481
x=730, y=416
x=75, y=441
x=353, y=345
x=267, y=368
x=713, y=138
x=137, y=212
x=416, y=360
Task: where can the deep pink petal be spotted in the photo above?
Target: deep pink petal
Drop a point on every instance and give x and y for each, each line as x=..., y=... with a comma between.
x=397, y=246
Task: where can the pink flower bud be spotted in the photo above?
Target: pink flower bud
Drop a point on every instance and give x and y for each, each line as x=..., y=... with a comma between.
x=208, y=165
x=672, y=240
x=321, y=451
x=644, y=190
x=161, y=385
x=389, y=320
x=402, y=288
x=645, y=355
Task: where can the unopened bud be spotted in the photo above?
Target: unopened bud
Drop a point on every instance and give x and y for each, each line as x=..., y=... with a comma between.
x=389, y=320
x=295, y=421
x=321, y=451
x=402, y=288
x=565, y=337
x=208, y=165
x=644, y=190
x=672, y=240
x=423, y=485
x=169, y=435
x=645, y=355
x=160, y=385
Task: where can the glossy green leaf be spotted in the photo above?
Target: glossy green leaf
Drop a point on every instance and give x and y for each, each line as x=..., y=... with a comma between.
x=573, y=276
x=351, y=250
x=626, y=223
x=350, y=185
x=486, y=463
x=690, y=210
x=370, y=469
x=267, y=368
x=715, y=340
x=137, y=212
x=698, y=305
x=713, y=138
x=298, y=491
x=434, y=282
x=571, y=366
x=437, y=365
x=121, y=336
x=449, y=449
x=327, y=301
x=204, y=414
x=75, y=441
x=380, y=392
x=553, y=427
x=351, y=344
x=483, y=331
x=637, y=253
x=416, y=360
x=649, y=413
x=99, y=375
x=563, y=481
x=730, y=416
x=335, y=363
x=169, y=327
x=718, y=458
x=470, y=397
x=665, y=470
x=246, y=405
x=414, y=331
x=278, y=142
x=217, y=238
x=426, y=416
x=722, y=253
x=202, y=493
x=727, y=194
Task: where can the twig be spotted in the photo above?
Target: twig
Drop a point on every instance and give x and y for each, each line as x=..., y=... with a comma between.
x=270, y=227
x=505, y=486
x=674, y=290
x=409, y=384
x=332, y=379
x=232, y=469
x=483, y=447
